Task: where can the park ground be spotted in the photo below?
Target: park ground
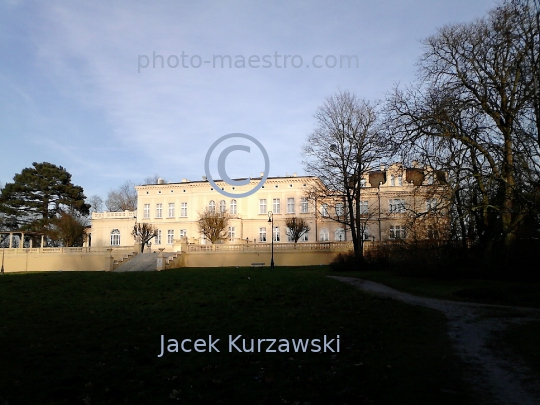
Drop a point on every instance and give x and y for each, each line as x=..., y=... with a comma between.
x=94, y=338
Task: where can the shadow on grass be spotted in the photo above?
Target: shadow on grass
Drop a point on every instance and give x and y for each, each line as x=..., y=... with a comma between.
x=69, y=337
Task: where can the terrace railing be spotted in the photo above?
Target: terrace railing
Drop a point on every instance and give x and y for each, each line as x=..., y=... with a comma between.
x=66, y=249
x=327, y=246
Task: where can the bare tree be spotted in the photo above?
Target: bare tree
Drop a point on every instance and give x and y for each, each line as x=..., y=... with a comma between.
x=151, y=180
x=346, y=145
x=124, y=198
x=296, y=228
x=96, y=203
x=214, y=224
x=470, y=113
x=143, y=233
x=527, y=35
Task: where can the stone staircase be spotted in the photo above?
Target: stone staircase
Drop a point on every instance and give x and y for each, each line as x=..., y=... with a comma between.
x=123, y=260
x=140, y=262
x=171, y=261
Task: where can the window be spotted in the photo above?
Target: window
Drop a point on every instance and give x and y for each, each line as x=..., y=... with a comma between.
x=339, y=235
x=304, y=205
x=159, y=210
x=363, y=182
x=183, y=209
x=222, y=207
x=276, y=206
x=262, y=206
x=290, y=205
x=429, y=179
x=364, y=207
x=171, y=210
x=432, y=232
x=431, y=204
x=399, y=180
x=396, y=205
x=233, y=207
x=146, y=213
x=262, y=234
x=304, y=237
x=324, y=235
x=397, y=232
x=365, y=233
x=158, y=237
x=183, y=233
x=276, y=234
x=392, y=181
x=232, y=233
x=170, y=236
x=324, y=210
x=115, y=237
x=289, y=235
x=212, y=206
x=339, y=209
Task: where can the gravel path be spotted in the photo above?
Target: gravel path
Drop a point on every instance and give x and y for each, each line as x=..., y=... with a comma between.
x=502, y=378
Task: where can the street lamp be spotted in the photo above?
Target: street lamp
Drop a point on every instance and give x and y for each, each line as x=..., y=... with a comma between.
x=3, y=252
x=271, y=220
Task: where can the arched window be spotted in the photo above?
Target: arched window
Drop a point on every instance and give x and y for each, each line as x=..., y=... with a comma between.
x=339, y=235
x=339, y=209
x=324, y=235
x=222, y=206
x=276, y=234
x=115, y=237
x=212, y=206
x=232, y=211
x=392, y=181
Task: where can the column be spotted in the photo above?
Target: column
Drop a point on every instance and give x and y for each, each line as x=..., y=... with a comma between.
x=41, y=246
x=21, y=245
x=10, y=240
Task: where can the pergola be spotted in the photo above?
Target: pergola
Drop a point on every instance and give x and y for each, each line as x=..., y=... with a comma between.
x=21, y=235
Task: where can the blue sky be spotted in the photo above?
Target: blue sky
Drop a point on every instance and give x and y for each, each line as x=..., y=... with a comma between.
x=73, y=94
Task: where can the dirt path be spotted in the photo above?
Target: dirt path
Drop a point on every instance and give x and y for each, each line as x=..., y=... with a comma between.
x=505, y=380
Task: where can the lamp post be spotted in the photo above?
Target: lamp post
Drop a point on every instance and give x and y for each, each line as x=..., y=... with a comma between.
x=3, y=251
x=271, y=220
x=379, y=198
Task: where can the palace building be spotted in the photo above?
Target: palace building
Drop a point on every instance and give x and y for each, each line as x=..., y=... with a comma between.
x=389, y=198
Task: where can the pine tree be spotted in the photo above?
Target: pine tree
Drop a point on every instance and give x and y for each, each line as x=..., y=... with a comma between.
x=38, y=195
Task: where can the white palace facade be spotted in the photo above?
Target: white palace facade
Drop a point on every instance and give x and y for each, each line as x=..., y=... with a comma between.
x=174, y=208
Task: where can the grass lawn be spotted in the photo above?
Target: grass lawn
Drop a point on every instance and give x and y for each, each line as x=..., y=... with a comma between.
x=499, y=292
x=94, y=338
x=523, y=340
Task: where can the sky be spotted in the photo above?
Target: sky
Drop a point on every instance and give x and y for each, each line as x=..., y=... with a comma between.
x=123, y=90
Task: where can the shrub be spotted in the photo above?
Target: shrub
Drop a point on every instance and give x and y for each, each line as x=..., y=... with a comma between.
x=346, y=262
